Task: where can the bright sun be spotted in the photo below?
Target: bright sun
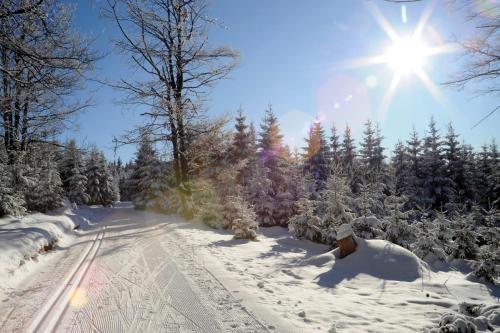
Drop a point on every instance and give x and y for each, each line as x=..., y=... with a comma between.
x=406, y=55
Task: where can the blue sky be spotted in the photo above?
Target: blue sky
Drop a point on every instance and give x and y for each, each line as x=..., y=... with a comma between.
x=294, y=55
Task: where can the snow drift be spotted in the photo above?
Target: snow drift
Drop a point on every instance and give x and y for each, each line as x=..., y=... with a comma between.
x=377, y=258
x=22, y=240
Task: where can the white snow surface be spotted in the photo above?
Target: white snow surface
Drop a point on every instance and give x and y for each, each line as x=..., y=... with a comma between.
x=344, y=231
x=22, y=240
x=150, y=272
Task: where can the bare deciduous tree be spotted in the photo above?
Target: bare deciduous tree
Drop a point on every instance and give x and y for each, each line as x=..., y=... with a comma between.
x=42, y=61
x=482, y=52
x=167, y=40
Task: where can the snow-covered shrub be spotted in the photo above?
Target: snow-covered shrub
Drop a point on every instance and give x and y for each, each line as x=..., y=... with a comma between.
x=367, y=227
x=428, y=249
x=399, y=232
x=471, y=318
x=487, y=267
x=455, y=323
x=242, y=218
x=464, y=244
x=306, y=225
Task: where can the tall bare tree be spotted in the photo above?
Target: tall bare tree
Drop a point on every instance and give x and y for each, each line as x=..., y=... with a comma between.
x=167, y=40
x=482, y=51
x=42, y=61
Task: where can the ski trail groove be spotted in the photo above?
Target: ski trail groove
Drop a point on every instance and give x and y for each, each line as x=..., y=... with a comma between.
x=49, y=316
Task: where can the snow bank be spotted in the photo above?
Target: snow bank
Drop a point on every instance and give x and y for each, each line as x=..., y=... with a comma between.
x=22, y=240
x=376, y=258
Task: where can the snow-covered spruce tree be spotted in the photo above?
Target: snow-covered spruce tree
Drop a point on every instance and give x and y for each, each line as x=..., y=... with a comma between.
x=72, y=171
x=464, y=244
x=307, y=224
x=437, y=186
x=466, y=176
x=320, y=217
x=349, y=161
x=397, y=229
x=274, y=159
x=93, y=174
x=99, y=180
x=487, y=267
x=243, y=148
x=145, y=174
x=243, y=218
x=109, y=190
x=400, y=167
x=412, y=187
x=316, y=156
x=335, y=147
x=11, y=201
x=45, y=191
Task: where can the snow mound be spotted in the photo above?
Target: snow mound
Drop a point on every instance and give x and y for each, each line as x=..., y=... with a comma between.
x=22, y=240
x=379, y=259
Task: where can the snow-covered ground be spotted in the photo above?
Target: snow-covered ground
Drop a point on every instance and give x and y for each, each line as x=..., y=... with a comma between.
x=24, y=240
x=300, y=287
x=131, y=271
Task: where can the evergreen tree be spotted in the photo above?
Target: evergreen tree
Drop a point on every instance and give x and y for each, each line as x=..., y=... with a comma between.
x=437, y=187
x=11, y=201
x=413, y=183
x=348, y=151
x=94, y=175
x=335, y=146
x=400, y=167
x=274, y=160
x=44, y=191
x=316, y=156
x=454, y=165
x=72, y=171
x=145, y=175
x=367, y=151
x=241, y=145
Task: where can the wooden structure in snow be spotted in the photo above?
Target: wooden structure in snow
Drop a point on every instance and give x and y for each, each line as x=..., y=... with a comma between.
x=345, y=240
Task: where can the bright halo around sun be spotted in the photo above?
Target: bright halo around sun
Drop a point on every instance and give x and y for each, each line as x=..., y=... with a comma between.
x=406, y=56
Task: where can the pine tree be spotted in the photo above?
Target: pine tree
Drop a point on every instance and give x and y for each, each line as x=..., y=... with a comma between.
x=413, y=183
x=11, y=201
x=274, y=160
x=335, y=146
x=400, y=167
x=145, y=175
x=316, y=156
x=437, y=187
x=349, y=161
x=45, y=191
x=452, y=148
x=367, y=151
x=241, y=145
x=72, y=171
x=94, y=175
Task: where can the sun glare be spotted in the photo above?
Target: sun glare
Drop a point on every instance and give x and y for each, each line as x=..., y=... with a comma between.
x=406, y=56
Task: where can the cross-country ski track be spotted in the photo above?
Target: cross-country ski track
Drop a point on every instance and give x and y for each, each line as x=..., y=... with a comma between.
x=129, y=273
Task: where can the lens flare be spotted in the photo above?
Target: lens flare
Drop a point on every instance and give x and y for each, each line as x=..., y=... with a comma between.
x=79, y=298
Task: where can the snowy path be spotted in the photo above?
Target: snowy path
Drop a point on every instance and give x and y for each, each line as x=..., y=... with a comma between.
x=130, y=274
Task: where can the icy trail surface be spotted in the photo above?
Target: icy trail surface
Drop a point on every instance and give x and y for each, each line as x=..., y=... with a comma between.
x=128, y=273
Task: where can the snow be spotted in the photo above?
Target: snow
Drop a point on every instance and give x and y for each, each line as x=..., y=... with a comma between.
x=300, y=286
x=290, y=285
x=23, y=240
x=344, y=231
